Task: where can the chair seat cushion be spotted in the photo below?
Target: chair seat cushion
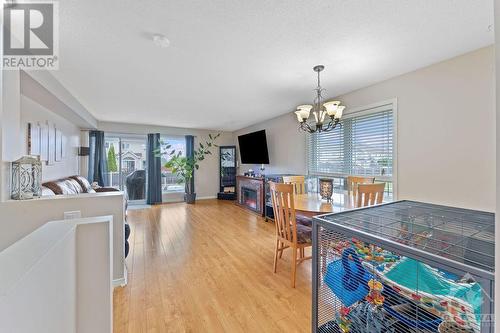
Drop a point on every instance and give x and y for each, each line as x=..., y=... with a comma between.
x=304, y=220
x=304, y=234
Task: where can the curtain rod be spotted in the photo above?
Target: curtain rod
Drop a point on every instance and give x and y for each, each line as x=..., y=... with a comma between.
x=122, y=133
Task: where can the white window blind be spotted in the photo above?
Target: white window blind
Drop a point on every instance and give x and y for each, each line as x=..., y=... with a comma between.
x=362, y=146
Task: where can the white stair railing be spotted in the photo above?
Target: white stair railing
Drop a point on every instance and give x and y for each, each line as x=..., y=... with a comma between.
x=58, y=279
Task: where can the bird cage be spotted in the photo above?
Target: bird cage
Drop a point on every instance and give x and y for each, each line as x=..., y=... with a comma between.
x=403, y=267
x=26, y=178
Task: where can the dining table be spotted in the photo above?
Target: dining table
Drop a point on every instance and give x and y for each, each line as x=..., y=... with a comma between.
x=311, y=204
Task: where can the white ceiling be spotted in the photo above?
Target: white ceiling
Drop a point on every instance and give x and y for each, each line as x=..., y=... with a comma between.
x=237, y=62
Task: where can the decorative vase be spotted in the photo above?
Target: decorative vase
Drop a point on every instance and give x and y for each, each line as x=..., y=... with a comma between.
x=326, y=188
x=190, y=198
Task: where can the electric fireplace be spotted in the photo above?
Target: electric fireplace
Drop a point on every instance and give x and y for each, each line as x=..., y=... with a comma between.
x=250, y=193
x=249, y=198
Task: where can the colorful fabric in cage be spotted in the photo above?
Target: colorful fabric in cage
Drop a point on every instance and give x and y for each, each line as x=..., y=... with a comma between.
x=347, y=278
x=429, y=288
x=433, y=290
x=373, y=254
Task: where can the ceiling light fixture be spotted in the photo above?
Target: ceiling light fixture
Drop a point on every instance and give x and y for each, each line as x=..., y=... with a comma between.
x=161, y=40
x=320, y=111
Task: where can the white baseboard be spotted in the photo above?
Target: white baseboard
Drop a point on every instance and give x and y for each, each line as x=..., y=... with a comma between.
x=122, y=282
x=206, y=198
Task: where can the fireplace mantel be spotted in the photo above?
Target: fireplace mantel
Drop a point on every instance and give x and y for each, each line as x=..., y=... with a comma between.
x=251, y=193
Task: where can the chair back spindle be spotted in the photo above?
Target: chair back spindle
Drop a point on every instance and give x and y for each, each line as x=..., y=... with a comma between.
x=370, y=194
x=298, y=183
x=284, y=211
x=354, y=181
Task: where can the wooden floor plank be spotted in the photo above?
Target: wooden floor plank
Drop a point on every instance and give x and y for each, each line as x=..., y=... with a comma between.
x=207, y=267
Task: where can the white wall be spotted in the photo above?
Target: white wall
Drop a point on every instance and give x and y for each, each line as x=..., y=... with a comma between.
x=24, y=98
x=52, y=281
x=10, y=124
x=19, y=218
x=11, y=117
x=43, y=87
x=207, y=177
x=497, y=108
x=34, y=112
x=446, y=131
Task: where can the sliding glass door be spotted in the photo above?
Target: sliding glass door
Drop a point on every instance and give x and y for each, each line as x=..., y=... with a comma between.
x=127, y=165
x=126, y=157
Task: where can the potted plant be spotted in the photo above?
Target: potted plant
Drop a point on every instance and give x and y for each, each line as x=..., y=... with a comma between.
x=184, y=166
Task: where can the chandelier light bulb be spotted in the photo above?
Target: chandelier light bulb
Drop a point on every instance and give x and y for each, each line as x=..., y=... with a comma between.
x=339, y=112
x=331, y=107
x=303, y=112
x=299, y=116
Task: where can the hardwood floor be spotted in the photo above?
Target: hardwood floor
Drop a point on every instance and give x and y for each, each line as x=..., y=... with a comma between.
x=208, y=267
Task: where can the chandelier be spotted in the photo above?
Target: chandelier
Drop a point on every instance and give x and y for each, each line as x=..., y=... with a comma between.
x=320, y=111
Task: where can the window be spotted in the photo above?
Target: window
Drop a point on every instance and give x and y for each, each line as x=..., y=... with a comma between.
x=169, y=181
x=113, y=161
x=362, y=146
x=128, y=165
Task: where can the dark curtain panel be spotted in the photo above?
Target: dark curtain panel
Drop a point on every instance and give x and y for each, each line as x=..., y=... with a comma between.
x=190, y=154
x=154, y=169
x=97, y=158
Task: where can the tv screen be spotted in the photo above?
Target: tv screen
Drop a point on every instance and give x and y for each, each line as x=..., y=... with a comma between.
x=253, y=148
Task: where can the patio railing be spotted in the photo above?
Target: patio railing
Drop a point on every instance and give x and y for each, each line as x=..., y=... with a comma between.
x=169, y=181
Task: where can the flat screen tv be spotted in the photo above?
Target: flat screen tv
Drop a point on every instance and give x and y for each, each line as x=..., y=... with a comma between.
x=253, y=148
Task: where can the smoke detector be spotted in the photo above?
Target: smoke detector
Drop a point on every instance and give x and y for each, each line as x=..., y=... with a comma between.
x=161, y=40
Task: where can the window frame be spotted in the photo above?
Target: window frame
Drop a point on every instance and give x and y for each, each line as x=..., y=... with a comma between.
x=361, y=111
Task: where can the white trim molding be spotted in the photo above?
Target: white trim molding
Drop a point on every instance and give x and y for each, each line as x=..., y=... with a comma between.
x=207, y=197
x=121, y=282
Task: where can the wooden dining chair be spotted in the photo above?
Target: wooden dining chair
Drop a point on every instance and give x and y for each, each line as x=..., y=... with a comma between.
x=289, y=234
x=370, y=194
x=298, y=183
x=354, y=181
